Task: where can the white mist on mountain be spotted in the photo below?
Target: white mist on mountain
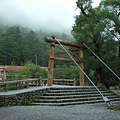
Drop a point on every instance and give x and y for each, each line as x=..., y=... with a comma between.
x=52, y=15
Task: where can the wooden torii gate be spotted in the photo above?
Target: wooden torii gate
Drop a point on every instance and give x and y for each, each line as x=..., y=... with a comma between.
x=52, y=57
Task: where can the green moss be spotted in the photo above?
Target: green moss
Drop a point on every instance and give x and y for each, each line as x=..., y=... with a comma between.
x=116, y=108
x=27, y=102
x=3, y=105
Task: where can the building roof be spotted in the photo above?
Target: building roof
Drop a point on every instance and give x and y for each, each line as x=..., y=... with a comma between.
x=6, y=67
x=11, y=67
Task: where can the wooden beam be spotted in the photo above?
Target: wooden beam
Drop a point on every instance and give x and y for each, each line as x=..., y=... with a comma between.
x=61, y=53
x=58, y=46
x=64, y=42
x=66, y=59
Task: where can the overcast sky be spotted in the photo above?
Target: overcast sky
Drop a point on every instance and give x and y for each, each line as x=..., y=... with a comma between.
x=51, y=14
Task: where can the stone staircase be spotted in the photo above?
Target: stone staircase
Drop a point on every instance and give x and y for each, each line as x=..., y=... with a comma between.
x=60, y=96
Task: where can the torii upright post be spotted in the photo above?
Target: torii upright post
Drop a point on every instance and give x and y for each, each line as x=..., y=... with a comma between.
x=82, y=67
x=51, y=65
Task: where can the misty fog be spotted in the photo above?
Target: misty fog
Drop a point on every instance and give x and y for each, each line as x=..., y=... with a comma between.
x=55, y=15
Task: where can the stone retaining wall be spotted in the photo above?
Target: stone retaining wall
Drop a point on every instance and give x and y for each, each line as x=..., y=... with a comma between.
x=21, y=99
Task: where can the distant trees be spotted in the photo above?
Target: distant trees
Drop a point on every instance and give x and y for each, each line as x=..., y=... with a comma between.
x=19, y=45
x=30, y=70
x=10, y=46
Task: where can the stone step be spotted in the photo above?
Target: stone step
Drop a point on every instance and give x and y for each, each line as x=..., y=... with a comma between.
x=67, y=100
x=68, y=103
x=114, y=99
x=73, y=88
x=72, y=99
x=75, y=102
x=68, y=90
x=73, y=93
x=75, y=96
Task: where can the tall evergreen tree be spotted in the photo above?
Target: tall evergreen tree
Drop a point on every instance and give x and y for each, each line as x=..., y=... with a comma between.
x=93, y=26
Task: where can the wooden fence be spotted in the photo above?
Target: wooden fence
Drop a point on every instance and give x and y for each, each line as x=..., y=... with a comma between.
x=69, y=82
x=20, y=84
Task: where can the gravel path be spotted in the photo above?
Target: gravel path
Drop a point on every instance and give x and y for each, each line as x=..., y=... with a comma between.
x=76, y=112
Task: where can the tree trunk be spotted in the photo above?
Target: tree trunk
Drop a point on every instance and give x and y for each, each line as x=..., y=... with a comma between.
x=119, y=51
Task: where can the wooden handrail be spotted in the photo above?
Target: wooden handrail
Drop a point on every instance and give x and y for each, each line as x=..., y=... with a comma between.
x=8, y=82
x=26, y=83
x=36, y=82
x=62, y=81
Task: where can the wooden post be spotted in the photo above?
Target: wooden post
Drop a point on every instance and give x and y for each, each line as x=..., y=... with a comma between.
x=27, y=84
x=6, y=85
x=40, y=81
x=82, y=67
x=17, y=85
x=51, y=65
x=74, y=82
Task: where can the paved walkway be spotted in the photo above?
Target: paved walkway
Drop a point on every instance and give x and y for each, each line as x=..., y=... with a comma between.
x=13, y=92
x=76, y=112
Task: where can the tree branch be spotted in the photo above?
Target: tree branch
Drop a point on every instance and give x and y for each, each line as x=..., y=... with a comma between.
x=82, y=10
x=118, y=14
x=113, y=34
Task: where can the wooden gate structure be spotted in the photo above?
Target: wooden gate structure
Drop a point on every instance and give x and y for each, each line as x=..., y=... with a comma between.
x=53, y=41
